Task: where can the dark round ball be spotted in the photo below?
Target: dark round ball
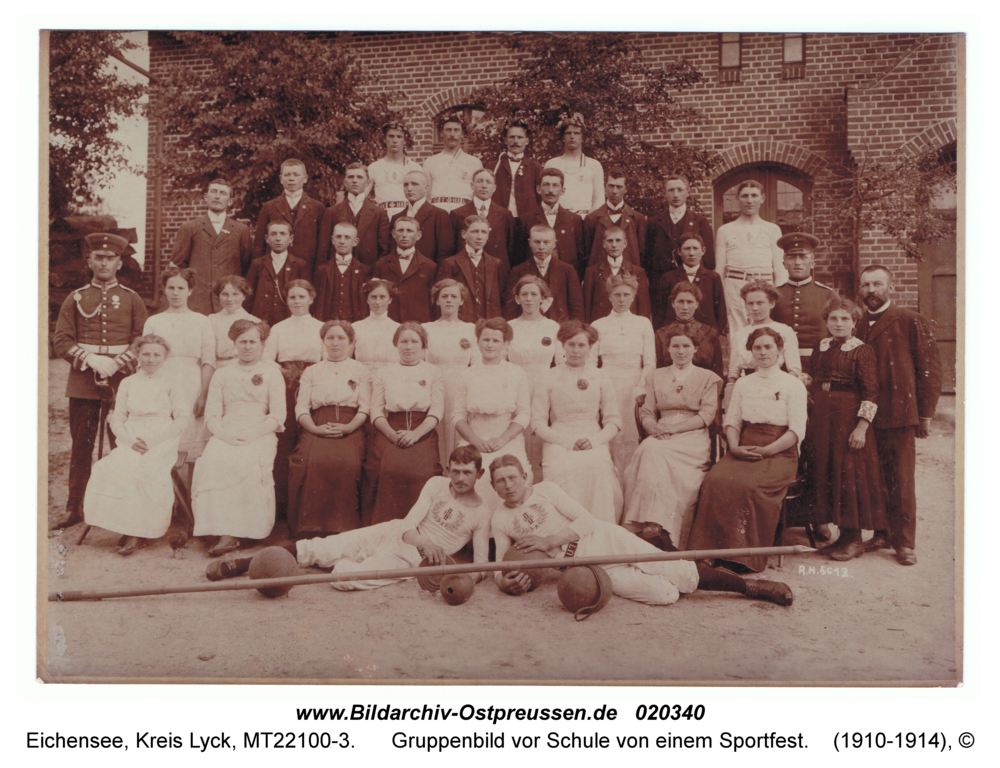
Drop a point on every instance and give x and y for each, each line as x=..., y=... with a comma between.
x=273, y=563
x=456, y=588
x=584, y=589
x=431, y=583
x=536, y=575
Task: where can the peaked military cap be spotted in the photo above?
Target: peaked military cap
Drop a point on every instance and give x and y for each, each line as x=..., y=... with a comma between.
x=798, y=242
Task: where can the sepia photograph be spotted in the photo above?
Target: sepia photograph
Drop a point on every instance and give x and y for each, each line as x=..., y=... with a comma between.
x=437, y=357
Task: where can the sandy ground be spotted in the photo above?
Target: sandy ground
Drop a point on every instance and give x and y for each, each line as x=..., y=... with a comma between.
x=877, y=622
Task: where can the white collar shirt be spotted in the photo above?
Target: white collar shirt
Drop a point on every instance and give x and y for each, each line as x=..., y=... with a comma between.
x=676, y=214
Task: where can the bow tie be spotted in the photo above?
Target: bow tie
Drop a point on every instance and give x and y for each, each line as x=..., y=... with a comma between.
x=516, y=158
x=344, y=262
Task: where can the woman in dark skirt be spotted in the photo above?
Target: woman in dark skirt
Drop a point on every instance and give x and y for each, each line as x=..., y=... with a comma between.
x=849, y=490
x=741, y=497
x=334, y=399
x=407, y=403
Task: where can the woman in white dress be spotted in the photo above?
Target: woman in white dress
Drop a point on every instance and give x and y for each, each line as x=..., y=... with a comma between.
x=232, y=291
x=663, y=479
x=575, y=414
x=192, y=360
x=534, y=347
x=233, y=488
x=492, y=406
x=627, y=351
x=130, y=490
x=373, y=335
x=451, y=346
x=294, y=344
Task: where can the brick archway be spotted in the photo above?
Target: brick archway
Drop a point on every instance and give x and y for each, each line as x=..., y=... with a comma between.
x=437, y=103
x=933, y=138
x=781, y=152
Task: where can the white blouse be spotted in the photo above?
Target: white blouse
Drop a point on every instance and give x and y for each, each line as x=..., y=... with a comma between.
x=740, y=357
x=401, y=387
x=625, y=339
x=295, y=338
x=225, y=348
x=141, y=396
x=347, y=383
x=535, y=344
x=452, y=344
x=373, y=341
x=769, y=396
x=188, y=333
x=493, y=390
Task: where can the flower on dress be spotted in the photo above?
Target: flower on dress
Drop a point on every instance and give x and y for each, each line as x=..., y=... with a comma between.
x=546, y=341
x=422, y=382
x=777, y=395
x=582, y=383
x=257, y=380
x=464, y=343
x=352, y=384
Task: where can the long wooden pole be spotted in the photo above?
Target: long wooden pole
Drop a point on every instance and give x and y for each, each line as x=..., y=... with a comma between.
x=436, y=570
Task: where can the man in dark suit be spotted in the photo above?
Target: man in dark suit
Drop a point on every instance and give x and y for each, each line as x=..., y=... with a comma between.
x=370, y=221
x=665, y=231
x=215, y=245
x=712, y=307
x=909, y=375
x=437, y=240
x=568, y=226
x=410, y=271
x=339, y=294
x=270, y=275
x=501, y=242
x=301, y=212
x=615, y=213
x=482, y=275
x=563, y=282
x=517, y=177
x=596, y=301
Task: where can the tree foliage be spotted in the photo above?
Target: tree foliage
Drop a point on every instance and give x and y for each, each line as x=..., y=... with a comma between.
x=266, y=97
x=87, y=101
x=623, y=98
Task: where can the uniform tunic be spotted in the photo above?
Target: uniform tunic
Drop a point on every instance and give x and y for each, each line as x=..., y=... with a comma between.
x=388, y=180
x=225, y=348
x=549, y=510
x=751, y=249
x=452, y=347
x=800, y=306
x=450, y=179
x=584, y=183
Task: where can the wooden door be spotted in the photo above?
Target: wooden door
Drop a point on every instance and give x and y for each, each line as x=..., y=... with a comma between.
x=787, y=195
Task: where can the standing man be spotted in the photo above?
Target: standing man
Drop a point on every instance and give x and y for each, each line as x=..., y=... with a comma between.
x=517, y=175
x=596, y=301
x=449, y=172
x=387, y=173
x=748, y=250
x=584, y=176
x=410, y=271
x=483, y=276
x=501, y=243
x=437, y=239
x=615, y=213
x=566, y=224
x=370, y=221
x=215, y=245
x=909, y=375
x=339, y=293
x=667, y=228
x=270, y=275
x=801, y=300
x=301, y=212
x=96, y=325
x=563, y=282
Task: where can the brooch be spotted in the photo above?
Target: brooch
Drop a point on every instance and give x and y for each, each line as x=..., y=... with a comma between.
x=464, y=343
x=777, y=395
x=257, y=380
x=582, y=383
x=352, y=384
x=546, y=341
x=422, y=382
x=520, y=171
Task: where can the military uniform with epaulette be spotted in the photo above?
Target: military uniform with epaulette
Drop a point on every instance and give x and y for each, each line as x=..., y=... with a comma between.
x=800, y=306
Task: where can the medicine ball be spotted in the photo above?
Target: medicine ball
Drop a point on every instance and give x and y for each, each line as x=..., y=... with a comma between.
x=536, y=575
x=584, y=589
x=456, y=588
x=273, y=563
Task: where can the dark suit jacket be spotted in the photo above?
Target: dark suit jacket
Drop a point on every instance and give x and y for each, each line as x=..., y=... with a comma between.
x=562, y=281
x=569, y=237
x=436, y=235
x=305, y=228
x=374, y=240
x=712, y=308
x=525, y=183
x=501, y=241
x=329, y=283
x=413, y=300
x=663, y=237
x=597, y=303
x=212, y=256
x=459, y=267
x=909, y=366
x=597, y=222
x=268, y=300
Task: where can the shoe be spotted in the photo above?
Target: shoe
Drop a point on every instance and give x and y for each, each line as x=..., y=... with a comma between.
x=823, y=532
x=221, y=569
x=830, y=547
x=225, y=544
x=906, y=556
x=846, y=551
x=772, y=591
x=877, y=542
x=131, y=545
x=70, y=518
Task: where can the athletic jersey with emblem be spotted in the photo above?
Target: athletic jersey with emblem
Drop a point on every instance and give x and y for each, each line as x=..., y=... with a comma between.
x=447, y=522
x=450, y=179
x=546, y=512
x=584, y=183
x=388, y=180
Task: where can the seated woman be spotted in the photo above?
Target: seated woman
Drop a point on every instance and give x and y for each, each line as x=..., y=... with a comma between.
x=130, y=490
x=685, y=298
x=741, y=497
x=231, y=291
x=373, y=335
x=664, y=477
x=407, y=403
x=567, y=413
x=324, y=478
x=233, y=489
x=847, y=477
x=492, y=406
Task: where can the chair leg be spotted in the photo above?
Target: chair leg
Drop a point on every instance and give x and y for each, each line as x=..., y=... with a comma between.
x=779, y=535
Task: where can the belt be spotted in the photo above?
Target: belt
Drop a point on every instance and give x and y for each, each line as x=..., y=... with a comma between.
x=747, y=274
x=392, y=204
x=114, y=349
x=449, y=200
x=570, y=551
x=836, y=386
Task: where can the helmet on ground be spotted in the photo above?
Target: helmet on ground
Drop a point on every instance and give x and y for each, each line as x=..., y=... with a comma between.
x=584, y=589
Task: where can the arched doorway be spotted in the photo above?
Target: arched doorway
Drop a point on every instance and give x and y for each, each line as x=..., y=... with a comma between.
x=787, y=195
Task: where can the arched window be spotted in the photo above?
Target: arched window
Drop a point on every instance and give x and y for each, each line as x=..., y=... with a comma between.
x=470, y=114
x=787, y=195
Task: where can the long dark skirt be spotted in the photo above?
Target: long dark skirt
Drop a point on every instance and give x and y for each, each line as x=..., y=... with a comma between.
x=393, y=476
x=849, y=489
x=324, y=477
x=740, y=500
x=289, y=438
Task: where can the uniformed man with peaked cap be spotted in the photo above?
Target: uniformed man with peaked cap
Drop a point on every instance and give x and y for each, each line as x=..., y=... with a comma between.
x=96, y=325
x=801, y=299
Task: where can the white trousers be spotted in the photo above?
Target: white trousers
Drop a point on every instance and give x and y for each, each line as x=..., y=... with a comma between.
x=375, y=548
